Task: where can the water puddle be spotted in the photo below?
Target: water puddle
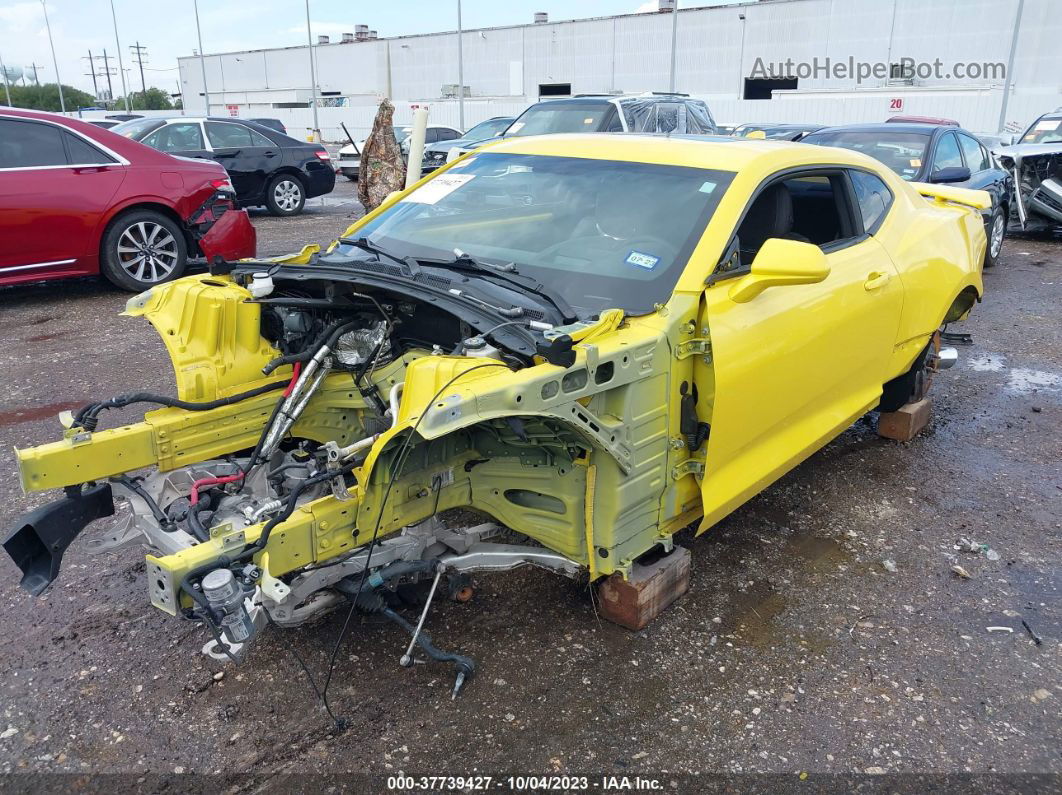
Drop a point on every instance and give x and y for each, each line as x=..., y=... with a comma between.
x=34, y=413
x=986, y=362
x=1024, y=381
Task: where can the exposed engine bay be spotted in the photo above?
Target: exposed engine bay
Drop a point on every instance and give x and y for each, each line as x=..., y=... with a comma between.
x=322, y=426
x=1037, y=171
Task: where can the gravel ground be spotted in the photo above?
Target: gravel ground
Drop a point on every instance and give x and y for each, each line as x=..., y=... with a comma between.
x=824, y=632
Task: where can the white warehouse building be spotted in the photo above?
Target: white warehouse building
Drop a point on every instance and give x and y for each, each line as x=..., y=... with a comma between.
x=724, y=55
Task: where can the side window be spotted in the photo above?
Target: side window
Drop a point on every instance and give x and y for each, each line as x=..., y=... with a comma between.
x=976, y=159
x=227, y=136
x=81, y=152
x=446, y=134
x=180, y=137
x=615, y=123
x=947, y=154
x=30, y=144
x=257, y=139
x=873, y=198
x=811, y=208
x=431, y=136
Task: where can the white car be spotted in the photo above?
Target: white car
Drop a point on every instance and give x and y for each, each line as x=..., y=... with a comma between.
x=350, y=155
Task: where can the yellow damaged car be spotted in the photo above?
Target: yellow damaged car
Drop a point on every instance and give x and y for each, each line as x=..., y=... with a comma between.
x=594, y=341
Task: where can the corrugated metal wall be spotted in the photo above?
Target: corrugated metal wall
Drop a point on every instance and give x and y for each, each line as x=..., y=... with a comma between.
x=504, y=67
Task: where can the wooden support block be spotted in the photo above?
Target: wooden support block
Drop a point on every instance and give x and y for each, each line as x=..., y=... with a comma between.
x=651, y=588
x=903, y=425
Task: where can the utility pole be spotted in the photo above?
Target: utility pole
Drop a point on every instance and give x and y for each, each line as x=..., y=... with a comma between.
x=460, y=72
x=139, y=53
x=1010, y=67
x=313, y=76
x=55, y=63
x=7, y=88
x=202, y=63
x=674, y=41
x=92, y=73
x=121, y=69
x=107, y=71
x=36, y=79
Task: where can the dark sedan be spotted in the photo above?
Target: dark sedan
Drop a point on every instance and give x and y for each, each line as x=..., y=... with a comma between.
x=267, y=168
x=933, y=153
x=436, y=155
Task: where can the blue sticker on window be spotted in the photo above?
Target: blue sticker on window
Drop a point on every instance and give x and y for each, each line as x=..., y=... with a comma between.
x=641, y=260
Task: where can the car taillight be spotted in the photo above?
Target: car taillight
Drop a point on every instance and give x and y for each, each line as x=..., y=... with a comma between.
x=222, y=184
x=322, y=154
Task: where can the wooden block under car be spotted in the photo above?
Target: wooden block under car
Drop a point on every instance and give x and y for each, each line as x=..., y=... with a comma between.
x=904, y=424
x=651, y=588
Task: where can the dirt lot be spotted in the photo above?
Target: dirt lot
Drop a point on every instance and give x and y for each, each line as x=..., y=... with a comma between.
x=798, y=649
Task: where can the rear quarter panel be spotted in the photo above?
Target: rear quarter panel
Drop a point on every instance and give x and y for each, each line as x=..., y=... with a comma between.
x=938, y=249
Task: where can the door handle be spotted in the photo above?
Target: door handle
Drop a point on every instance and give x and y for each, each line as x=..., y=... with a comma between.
x=875, y=279
x=270, y=154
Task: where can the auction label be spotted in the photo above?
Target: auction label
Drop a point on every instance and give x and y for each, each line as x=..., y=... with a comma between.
x=438, y=188
x=550, y=783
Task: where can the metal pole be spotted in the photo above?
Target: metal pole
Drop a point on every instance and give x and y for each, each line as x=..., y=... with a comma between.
x=55, y=63
x=121, y=69
x=1010, y=66
x=92, y=73
x=202, y=62
x=107, y=71
x=741, y=61
x=313, y=76
x=140, y=61
x=674, y=39
x=7, y=88
x=460, y=72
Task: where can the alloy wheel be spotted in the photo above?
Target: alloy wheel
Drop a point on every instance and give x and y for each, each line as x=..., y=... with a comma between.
x=147, y=251
x=287, y=194
x=998, y=230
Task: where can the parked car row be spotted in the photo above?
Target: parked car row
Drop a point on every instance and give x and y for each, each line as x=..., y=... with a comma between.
x=76, y=200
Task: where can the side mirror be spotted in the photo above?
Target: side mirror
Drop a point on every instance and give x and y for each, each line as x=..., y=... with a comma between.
x=950, y=174
x=780, y=262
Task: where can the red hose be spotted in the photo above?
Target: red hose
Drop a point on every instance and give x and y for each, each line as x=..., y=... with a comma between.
x=193, y=496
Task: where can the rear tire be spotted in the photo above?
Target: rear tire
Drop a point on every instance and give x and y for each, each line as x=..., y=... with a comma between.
x=285, y=195
x=997, y=232
x=142, y=248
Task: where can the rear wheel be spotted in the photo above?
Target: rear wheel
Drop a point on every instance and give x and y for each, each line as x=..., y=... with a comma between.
x=143, y=248
x=285, y=195
x=997, y=231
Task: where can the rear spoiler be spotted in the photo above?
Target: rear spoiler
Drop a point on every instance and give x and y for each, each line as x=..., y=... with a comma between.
x=978, y=199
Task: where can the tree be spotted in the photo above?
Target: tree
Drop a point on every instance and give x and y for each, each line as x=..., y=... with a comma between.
x=46, y=97
x=152, y=99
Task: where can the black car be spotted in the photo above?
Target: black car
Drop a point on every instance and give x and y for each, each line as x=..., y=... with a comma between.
x=273, y=124
x=435, y=155
x=938, y=153
x=266, y=167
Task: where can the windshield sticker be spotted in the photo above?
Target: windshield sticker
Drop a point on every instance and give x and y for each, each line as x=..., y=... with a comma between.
x=638, y=259
x=588, y=121
x=707, y=187
x=516, y=126
x=916, y=162
x=1050, y=124
x=438, y=188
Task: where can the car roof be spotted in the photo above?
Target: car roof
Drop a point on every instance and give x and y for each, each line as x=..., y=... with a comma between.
x=699, y=151
x=926, y=129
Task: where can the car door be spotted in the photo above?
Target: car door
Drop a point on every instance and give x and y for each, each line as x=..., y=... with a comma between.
x=795, y=365
x=946, y=154
x=983, y=174
x=54, y=188
x=183, y=138
x=248, y=156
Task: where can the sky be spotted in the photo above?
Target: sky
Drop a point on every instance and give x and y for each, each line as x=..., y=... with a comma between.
x=167, y=27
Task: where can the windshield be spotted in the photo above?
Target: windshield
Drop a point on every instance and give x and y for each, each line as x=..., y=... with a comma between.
x=903, y=152
x=136, y=127
x=1045, y=130
x=560, y=117
x=602, y=233
x=488, y=129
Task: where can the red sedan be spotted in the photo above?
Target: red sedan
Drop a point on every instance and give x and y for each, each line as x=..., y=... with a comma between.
x=77, y=200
